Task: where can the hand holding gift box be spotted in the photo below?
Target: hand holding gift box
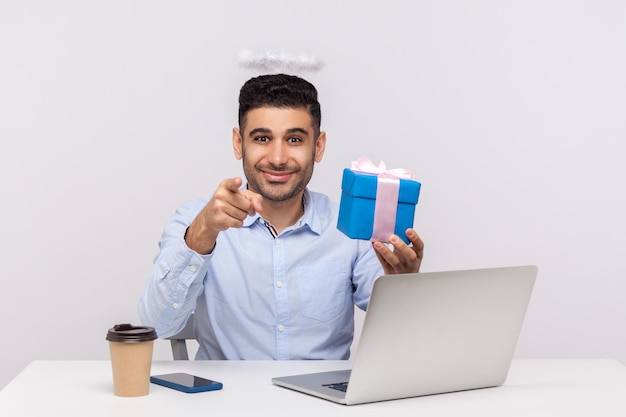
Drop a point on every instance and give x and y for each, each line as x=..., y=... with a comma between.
x=377, y=202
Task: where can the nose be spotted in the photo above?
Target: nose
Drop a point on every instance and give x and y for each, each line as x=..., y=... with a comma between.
x=278, y=153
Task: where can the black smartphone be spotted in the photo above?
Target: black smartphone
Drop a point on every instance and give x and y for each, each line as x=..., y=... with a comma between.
x=186, y=382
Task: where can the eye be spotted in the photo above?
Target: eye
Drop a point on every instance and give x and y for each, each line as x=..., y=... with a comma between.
x=261, y=139
x=294, y=139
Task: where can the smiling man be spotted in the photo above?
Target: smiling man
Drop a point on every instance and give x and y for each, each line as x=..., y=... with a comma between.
x=262, y=263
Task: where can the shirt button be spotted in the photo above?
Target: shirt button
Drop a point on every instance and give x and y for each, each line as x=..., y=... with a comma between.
x=278, y=241
x=281, y=328
x=175, y=305
x=279, y=284
x=193, y=268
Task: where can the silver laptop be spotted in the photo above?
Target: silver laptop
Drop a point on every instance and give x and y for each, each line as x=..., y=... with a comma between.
x=430, y=333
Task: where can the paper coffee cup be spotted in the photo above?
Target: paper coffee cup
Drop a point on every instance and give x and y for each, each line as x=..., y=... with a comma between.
x=131, y=358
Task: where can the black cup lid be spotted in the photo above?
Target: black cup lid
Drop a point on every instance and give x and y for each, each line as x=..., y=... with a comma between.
x=127, y=333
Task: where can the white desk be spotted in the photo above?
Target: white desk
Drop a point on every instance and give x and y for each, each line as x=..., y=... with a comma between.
x=591, y=388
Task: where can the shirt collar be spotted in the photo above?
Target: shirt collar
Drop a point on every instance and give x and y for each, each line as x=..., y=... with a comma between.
x=310, y=217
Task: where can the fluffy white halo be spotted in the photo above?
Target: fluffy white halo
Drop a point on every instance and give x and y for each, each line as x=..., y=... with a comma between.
x=279, y=62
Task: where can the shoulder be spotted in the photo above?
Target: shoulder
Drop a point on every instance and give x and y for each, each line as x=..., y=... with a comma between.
x=322, y=202
x=321, y=210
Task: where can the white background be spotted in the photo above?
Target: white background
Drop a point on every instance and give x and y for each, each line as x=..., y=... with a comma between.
x=512, y=115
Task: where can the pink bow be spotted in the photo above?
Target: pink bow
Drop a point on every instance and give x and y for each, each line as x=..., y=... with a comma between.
x=368, y=167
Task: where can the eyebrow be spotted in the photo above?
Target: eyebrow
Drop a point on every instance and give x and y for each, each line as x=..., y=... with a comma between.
x=265, y=130
x=259, y=130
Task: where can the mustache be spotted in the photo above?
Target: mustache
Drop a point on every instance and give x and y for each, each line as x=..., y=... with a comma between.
x=277, y=168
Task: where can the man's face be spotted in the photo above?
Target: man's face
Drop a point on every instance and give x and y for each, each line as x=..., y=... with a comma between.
x=278, y=149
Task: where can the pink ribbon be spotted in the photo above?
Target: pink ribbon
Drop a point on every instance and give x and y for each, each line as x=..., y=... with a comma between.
x=388, y=188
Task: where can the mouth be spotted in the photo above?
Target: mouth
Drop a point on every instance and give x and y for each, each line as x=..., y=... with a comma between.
x=277, y=176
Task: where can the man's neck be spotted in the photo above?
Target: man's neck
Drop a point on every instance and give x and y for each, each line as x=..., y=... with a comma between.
x=282, y=214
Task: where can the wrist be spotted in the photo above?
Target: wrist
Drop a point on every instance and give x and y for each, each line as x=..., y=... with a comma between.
x=200, y=241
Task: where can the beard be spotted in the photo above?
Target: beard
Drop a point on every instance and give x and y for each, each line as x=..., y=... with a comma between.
x=277, y=191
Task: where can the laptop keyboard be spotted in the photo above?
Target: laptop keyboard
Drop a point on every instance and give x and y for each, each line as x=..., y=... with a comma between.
x=339, y=386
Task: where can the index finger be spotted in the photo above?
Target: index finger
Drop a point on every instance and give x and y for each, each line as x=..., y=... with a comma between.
x=255, y=199
x=233, y=184
x=416, y=241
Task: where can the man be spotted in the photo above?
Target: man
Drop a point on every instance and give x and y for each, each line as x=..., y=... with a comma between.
x=262, y=264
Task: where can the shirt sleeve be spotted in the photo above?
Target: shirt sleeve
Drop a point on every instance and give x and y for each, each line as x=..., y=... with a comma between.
x=365, y=270
x=177, y=276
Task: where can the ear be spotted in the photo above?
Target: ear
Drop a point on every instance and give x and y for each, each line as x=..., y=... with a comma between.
x=237, y=143
x=320, y=146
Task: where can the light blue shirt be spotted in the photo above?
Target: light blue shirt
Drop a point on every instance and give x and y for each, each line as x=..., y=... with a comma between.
x=257, y=296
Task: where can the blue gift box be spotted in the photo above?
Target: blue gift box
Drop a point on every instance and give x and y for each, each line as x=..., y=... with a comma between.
x=358, y=202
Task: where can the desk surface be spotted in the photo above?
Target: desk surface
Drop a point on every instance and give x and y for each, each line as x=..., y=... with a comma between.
x=594, y=387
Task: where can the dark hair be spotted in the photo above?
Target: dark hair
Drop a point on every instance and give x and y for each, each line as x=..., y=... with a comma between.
x=280, y=90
